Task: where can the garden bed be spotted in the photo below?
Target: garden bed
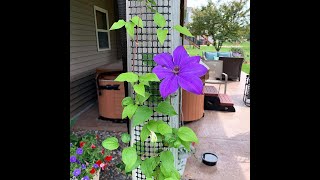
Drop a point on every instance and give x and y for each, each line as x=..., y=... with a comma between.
x=111, y=172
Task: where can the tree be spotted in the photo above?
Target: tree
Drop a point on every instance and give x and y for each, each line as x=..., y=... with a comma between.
x=226, y=22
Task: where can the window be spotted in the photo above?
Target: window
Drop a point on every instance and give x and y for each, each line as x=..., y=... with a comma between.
x=102, y=28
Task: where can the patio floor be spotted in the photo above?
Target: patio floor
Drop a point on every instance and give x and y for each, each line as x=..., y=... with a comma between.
x=89, y=120
x=227, y=134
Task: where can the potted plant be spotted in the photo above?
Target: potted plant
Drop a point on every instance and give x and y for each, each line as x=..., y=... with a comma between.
x=87, y=158
x=237, y=52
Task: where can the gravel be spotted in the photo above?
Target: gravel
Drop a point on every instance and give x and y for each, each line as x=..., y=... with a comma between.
x=111, y=172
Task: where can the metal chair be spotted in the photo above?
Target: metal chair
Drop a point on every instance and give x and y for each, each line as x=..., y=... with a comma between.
x=215, y=73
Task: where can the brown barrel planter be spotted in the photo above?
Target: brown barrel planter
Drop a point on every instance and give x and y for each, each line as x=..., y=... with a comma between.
x=110, y=95
x=192, y=106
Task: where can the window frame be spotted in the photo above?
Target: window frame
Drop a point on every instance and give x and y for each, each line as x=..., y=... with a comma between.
x=96, y=8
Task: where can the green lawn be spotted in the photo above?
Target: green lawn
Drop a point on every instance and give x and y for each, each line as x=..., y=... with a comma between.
x=225, y=48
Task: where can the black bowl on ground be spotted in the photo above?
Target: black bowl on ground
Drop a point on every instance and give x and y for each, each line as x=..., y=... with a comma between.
x=209, y=159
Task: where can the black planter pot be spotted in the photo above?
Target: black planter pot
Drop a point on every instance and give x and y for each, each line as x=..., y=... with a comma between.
x=209, y=159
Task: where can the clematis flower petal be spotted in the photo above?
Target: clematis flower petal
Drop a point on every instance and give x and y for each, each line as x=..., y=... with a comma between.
x=190, y=83
x=162, y=72
x=178, y=54
x=164, y=59
x=169, y=85
x=193, y=69
x=190, y=60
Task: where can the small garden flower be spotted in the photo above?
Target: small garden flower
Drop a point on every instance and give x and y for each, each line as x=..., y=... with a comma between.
x=77, y=172
x=99, y=162
x=181, y=70
x=102, y=165
x=73, y=159
x=82, y=144
x=79, y=151
x=92, y=171
x=96, y=166
x=87, y=159
x=108, y=158
x=93, y=146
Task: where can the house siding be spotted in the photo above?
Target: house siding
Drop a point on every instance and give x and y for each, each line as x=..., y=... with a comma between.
x=84, y=54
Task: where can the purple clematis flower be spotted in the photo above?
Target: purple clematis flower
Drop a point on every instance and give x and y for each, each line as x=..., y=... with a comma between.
x=181, y=70
x=77, y=172
x=73, y=159
x=86, y=178
x=79, y=151
x=96, y=166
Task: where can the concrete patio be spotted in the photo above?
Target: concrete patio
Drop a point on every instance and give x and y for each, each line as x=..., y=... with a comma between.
x=227, y=134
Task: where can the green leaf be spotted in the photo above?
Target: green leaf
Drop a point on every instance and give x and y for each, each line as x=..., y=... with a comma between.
x=125, y=137
x=187, y=134
x=142, y=99
x=183, y=30
x=161, y=176
x=137, y=21
x=166, y=170
x=129, y=111
x=146, y=83
x=153, y=126
x=152, y=10
x=159, y=20
x=177, y=143
x=142, y=114
x=130, y=29
x=165, y=108
x=144, y=133
x=147, y=166
x=129, y=157
x=167, y=165
x=149, y=178
x=152, y=2
x=139, y=88
x=171, y=178
x=118, y=25
x=186, y=144
x=170, y=138
x=149, y=77
x=159, y=137
x=166, y=157
x=164, y=128
x=128, y=76
x=135, y=166
x=127, y=101
x=175, y=130
x=162, y=35
x=110, y=143
x=175, y=174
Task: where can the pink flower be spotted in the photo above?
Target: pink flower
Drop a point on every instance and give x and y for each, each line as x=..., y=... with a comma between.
x=93, y=146
x=103, y=165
